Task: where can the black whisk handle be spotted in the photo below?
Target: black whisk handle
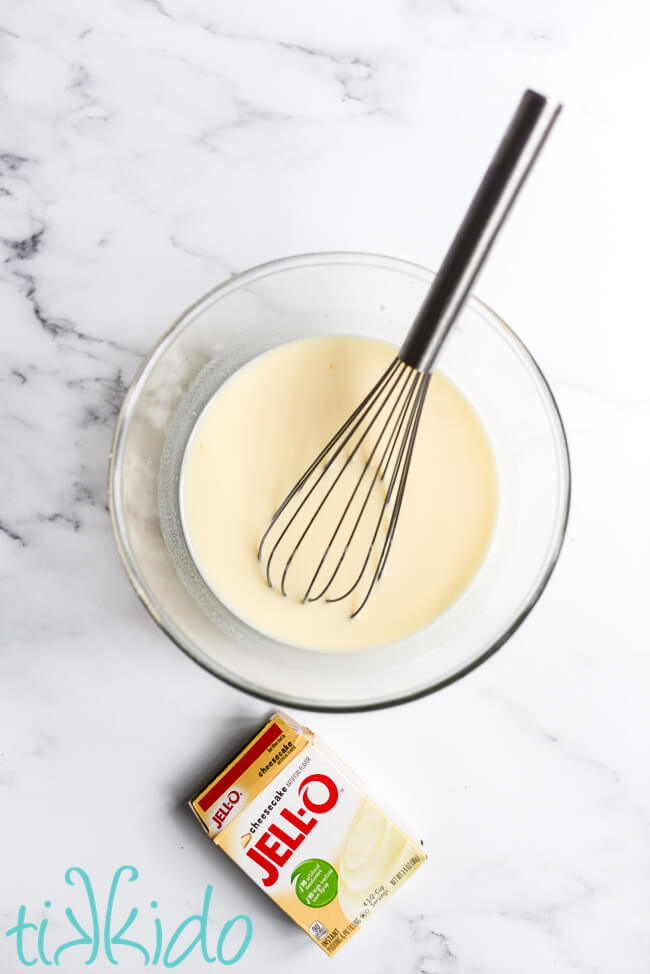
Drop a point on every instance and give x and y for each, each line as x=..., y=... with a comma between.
x=505, y=176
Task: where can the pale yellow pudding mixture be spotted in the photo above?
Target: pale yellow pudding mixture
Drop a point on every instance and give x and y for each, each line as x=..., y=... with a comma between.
x=256, y=437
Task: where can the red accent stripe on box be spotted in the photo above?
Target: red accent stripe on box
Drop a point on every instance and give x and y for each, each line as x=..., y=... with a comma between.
x=248, y=757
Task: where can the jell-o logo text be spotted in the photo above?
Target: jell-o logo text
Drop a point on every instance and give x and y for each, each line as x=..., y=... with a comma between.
x=275, y=847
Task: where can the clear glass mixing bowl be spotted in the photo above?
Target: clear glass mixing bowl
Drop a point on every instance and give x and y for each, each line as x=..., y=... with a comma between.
x=336, y=293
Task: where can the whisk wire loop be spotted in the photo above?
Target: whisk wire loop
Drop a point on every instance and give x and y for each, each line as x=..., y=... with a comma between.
x=392, y=408
x=421, y=384
x=354, y=421
x=336, y=480
x=379, y=474
x=422, y=392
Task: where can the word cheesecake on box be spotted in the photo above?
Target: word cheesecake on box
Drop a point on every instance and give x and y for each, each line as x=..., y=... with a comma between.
x=302, y=826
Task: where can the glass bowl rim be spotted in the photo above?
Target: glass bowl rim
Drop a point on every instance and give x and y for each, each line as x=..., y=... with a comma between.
x=259, y=271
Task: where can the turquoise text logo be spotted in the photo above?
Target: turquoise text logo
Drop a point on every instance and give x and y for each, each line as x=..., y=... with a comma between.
x=104, y=936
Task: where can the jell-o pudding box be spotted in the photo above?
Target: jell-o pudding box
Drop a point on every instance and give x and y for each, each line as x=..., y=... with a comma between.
x=302, y=826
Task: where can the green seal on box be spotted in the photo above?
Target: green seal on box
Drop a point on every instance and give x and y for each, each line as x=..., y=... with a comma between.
x=317, y=883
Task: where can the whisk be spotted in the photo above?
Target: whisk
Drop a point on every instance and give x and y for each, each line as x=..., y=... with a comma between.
x=354, y=513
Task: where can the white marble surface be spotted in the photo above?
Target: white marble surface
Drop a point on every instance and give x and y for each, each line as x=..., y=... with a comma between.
x=148, y=150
